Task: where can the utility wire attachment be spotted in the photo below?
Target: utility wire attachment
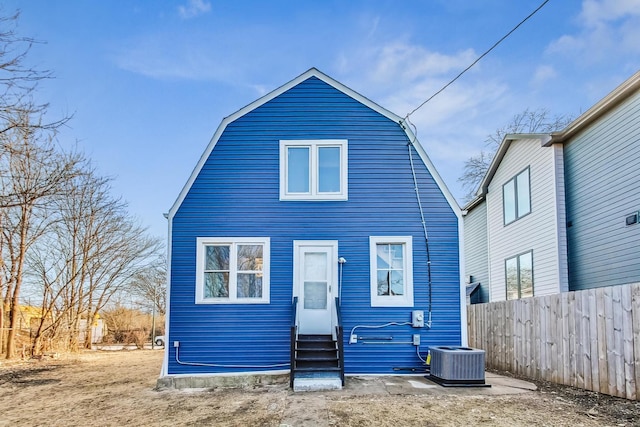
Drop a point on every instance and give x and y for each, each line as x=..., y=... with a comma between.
x=478, y=59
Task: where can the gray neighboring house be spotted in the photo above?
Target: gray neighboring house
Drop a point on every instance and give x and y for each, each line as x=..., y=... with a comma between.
x=558, y=212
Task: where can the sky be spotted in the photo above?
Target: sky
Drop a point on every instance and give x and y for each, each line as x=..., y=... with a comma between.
x=148, y=82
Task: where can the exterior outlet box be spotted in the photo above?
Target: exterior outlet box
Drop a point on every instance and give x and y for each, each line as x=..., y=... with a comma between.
x=417, y=319
x=353, y=339
x=416, y=339
x=176, y=344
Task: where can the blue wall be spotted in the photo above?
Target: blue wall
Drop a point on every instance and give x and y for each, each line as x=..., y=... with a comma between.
x=237, y=194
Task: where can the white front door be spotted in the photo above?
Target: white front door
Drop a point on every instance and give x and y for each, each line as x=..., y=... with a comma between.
x=315, y=283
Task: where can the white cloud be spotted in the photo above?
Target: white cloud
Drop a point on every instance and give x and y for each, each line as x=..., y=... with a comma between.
x=400, y=75
x=403, y=61
x=374, y=26
x=599, y=12
x=194, y=8
x=165, y=56
x=607, y=29
x=543, y=74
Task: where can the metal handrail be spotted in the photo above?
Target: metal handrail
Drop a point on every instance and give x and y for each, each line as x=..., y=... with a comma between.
x=340, y=339
x=294, y=333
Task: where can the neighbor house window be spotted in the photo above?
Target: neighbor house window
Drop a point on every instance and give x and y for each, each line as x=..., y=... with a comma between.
x=516, y=197
x=519, y=275
x=391, y=265
x=232, y=270
x=313, y=170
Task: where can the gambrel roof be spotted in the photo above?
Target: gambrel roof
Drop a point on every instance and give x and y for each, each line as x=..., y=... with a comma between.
x=313, y=72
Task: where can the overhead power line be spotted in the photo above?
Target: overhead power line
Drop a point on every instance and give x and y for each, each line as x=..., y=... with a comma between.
x=478, y=59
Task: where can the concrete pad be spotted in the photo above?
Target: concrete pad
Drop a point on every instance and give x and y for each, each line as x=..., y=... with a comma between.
x=419, y=385
x=508, y=385
x=360, y=385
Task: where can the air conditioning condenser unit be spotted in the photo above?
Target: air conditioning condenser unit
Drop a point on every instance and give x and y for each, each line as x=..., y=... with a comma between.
x=457, y=366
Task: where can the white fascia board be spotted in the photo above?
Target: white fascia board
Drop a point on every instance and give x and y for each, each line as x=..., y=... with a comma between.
x=544, y=138
x=165, y=360
x=313, y=72
x=600, y=108
x=432, y=170
x=458, y=212
x=471, y=205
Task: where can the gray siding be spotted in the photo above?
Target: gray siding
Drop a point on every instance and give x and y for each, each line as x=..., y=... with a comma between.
x=537, y=231
x=475, y=248
x=602, y=175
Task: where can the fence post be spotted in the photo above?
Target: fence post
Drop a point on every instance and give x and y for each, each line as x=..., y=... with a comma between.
x=588, y=339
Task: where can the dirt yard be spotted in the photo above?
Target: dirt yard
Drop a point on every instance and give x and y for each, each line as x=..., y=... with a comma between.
x=117, y=388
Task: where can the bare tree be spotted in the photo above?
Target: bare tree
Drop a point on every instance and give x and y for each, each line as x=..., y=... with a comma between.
x=93, y=252
x=148, y=288
x=33, y=173
x=529, y=121
x=59, y=226
x=18, y=81
x=20, y=121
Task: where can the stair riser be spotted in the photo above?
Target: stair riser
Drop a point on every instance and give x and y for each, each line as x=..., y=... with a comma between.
x=316, y=364
x=318, y=354
x=323, y=344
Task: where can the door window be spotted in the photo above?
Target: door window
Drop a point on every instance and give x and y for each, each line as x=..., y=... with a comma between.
x=315, y=280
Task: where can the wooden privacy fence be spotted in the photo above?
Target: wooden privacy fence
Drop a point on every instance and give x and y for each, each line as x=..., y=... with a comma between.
x=588, y=339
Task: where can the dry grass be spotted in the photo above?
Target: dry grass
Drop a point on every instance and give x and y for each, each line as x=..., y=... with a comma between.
x=117, y=388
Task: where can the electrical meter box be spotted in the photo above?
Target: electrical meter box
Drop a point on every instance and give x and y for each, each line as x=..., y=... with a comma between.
x=417, y=318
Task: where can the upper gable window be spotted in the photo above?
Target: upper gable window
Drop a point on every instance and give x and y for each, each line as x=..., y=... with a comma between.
x=516, y=197
x=313, y=169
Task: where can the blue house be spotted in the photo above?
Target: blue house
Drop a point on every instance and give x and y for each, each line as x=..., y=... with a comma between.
x=315, y=237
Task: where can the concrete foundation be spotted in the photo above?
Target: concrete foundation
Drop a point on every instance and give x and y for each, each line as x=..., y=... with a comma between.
x=219, y=381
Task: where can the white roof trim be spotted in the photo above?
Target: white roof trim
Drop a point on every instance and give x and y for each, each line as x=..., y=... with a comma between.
x=313, y=72
x=606, y=104
x=544, y=138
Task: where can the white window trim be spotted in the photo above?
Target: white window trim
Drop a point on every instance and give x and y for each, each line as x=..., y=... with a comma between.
x=313, y=144
x=202, y=242
x=391, y=301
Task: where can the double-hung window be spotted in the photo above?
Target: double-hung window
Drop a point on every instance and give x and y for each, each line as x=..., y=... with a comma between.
x=313, y=169
x=516, y=196
x=391, y=270
x=232, y=270
x=519, y=276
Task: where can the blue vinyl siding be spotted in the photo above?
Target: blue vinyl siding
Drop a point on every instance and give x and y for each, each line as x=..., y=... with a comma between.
x=236, y=194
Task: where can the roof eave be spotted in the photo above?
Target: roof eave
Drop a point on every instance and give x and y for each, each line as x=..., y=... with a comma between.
x=502, y=150
x=313, y=72
x=602, y=107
